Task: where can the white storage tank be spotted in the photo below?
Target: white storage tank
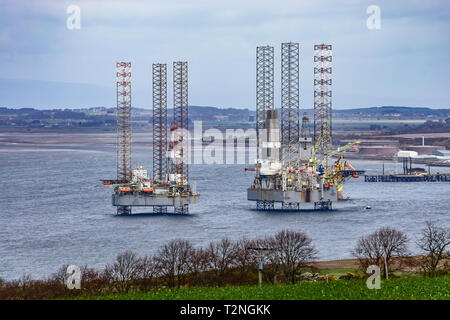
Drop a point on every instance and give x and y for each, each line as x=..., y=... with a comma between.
x=406, y=154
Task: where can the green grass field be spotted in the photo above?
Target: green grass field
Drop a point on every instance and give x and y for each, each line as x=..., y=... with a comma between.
x=410, y=288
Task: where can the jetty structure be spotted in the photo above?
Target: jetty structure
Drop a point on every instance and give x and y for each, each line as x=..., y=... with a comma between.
x=293, y=169
x=169, y=187
x=410, y=174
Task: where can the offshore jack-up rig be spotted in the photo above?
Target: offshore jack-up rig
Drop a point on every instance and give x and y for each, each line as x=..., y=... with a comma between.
x=169, y=186
x=293, y=168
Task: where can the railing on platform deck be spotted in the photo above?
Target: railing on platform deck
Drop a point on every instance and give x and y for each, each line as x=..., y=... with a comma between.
x=407, y=178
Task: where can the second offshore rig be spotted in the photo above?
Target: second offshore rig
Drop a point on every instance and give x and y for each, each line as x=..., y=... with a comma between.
x=293, y=167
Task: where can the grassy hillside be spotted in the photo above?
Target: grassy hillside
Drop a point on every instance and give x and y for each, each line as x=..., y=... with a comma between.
x=412, y=288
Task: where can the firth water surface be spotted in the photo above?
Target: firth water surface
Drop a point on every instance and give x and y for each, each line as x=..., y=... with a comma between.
x=54, y=210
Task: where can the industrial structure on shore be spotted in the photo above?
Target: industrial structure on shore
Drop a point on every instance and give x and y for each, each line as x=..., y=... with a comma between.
x=169, y=186
x=410, y=173
x=293, y=168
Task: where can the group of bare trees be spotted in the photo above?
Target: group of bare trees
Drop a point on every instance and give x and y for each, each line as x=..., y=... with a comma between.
x=227, y=262
x=178, y=263
x=288, y=252
x=385, y=244
x=380, y=247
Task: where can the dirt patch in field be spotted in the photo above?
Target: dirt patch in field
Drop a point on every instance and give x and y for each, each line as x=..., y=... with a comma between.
x=332, y=264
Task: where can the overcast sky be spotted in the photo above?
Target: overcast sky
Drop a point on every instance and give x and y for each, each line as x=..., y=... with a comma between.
x=406, y=62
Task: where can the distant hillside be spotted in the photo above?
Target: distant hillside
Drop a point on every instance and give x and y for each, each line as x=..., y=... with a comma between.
x=105, y=116
x=393, y=112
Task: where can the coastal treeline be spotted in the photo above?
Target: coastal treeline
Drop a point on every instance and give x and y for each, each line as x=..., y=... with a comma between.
x=282, y=257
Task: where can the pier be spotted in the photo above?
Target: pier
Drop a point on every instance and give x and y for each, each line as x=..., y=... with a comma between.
x=439, y=177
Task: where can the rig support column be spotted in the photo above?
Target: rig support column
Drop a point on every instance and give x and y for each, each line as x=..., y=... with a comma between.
x=322, y=100
x=159, y=72
x=179, y=145
x=180, y=116
x=124, y=125
x=290, y=103
x=264, y=88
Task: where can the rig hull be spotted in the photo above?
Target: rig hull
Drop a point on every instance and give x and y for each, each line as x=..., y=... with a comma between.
x=143, y=200
x=292, y=196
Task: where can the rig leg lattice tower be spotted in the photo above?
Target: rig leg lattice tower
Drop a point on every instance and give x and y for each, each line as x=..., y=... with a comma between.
x=290, y=103
x=264, y=87
x=322, y=100
x=159, y=72
x=180, y=136
x=123, y=118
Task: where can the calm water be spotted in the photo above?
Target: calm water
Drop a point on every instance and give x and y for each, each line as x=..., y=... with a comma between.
x=54, y=211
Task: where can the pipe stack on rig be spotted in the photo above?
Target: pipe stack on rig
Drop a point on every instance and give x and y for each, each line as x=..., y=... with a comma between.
x=169, y=186
x=292, y=168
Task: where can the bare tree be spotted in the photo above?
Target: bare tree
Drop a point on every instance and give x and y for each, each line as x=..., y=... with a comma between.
x=221, y=257
x=434, y=241
x=199, y=266
x=124, y=271
x=174, y=261
x=23, y=287
x=245, y=258
x=87, y=275
x=60, y=276
x=92, y=281
x=368, y=251
x=292, y=251
x=148, y=271
x=380, y=247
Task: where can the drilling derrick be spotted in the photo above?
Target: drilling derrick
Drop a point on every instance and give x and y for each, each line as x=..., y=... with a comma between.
x=322, y=101
x=290, y=105
x=159, y=72
x=264, y=87
x=305, y=131
x=123, y=118
x=305, y=141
